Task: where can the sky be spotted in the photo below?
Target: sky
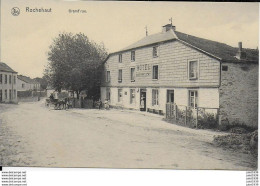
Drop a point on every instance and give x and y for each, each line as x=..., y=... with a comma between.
x=25, y=39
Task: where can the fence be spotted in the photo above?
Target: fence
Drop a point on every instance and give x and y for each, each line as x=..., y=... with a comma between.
x=200, y=117
x=30, y=96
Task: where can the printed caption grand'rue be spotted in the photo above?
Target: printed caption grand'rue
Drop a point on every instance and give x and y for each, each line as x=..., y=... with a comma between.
x=28, y=9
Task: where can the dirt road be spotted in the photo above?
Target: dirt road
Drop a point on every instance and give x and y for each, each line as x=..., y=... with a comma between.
x=33, y=135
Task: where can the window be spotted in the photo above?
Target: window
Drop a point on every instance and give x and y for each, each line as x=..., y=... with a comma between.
x=1, y=78
x=155, y=51
x=10, y=94
x=108, y=94
x=132, y=96
x=5, y=94
x=22, y=85
x=132, y=55
x=120, y=95
x=14, y=94
x=193, y=69
x=5, y=79
x=155, y=96
x=10, y=79
x=1, y=98
x=14, y=79
x=120, y=58
x=132, y=74
x=193, y=98
x=108, y=76
x=225, y=68
x=170, y=96
x=155, y=72
x=120, y=74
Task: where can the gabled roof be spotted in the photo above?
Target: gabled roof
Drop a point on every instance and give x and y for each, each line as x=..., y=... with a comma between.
x=152, y=39
x=26, y=79
x=220, y=51
x=5, y=68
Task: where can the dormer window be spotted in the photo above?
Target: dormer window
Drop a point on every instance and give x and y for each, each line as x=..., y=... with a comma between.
x=132, y=55
x=155, y=51
x=120, y=58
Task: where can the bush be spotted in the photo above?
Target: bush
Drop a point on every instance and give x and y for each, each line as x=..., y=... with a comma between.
x=207, y=120
x=245, y=143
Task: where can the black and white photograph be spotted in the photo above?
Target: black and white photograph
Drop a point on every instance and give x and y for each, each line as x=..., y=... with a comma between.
x=129, y=85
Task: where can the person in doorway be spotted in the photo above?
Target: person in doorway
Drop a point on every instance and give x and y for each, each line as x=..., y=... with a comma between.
x=142, y=102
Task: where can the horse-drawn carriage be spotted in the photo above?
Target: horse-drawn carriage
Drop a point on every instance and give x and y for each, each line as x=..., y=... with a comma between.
x=58, y=103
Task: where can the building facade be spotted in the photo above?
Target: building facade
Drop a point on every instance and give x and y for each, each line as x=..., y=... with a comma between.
x=8, y=84
x=25, y=83
x=173, y=67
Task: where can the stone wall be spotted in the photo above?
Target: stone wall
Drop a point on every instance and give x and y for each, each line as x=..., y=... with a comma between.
x=239, y=94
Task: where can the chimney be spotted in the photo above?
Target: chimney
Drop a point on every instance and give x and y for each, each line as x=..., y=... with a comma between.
x=240, y=54
x=168, y=27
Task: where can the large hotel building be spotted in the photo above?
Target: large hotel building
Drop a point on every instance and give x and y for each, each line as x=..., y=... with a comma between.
x=174, y=67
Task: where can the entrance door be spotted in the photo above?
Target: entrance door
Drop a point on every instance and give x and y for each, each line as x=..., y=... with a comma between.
x=143, y=100
x=170, y=96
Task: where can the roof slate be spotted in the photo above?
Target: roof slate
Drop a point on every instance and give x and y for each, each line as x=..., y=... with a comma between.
x=5, y=68
x=222, y=51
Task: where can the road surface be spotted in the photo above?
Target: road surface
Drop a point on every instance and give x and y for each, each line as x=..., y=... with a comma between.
x=33, y=135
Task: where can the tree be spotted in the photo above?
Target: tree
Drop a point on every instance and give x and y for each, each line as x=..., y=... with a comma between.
x=74, y=63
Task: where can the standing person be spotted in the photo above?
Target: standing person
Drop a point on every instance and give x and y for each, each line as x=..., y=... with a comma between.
x=99, y=104
x=142, y=103
x=106, y=104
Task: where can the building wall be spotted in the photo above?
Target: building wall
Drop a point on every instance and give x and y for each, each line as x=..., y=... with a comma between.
x=239, y=94
x=207, y=97
x=173, y=67
x=9, y=86
x=27, y=86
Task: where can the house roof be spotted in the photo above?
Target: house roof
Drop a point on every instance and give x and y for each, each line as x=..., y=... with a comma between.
x=215, y=49
x=155, y=38
x=5, y=68
x=26, y=79
x=220, y=50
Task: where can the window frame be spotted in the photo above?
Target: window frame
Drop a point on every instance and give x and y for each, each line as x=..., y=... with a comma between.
x=132, y=99
x=14, y=79
x=195, y=99
x=157, y=72
x=132, y=55
x=155, y=97
x=119, y=98
x=132, y=76
x=197, y=69
x=108, y=94
x=120, y=58
x=6, y=94
x=224, y=68
x=120, y=75
x=6, y=78
x=108, y=76
x=157, y=55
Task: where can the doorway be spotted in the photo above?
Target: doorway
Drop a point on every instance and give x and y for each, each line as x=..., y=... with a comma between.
x=142, y=99
x=170, y=96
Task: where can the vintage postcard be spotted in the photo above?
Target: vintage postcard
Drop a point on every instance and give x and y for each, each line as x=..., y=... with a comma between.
x=161, y=85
